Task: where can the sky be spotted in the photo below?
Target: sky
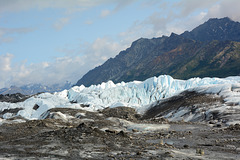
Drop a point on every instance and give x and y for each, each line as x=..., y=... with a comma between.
x=54, y=41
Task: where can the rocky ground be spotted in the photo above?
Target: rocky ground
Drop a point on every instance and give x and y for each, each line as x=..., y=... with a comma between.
x=13, y=98
x=118, y=133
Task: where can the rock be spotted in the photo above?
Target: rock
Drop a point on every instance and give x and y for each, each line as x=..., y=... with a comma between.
x=134, y=130
x=218, y=125
x=230, y=146
x=82, y=125
x=212, y=122
x=200, y=151
x=111, y=131
x=13, y=98
x=168, y=154
x=197, y=150
x=121, y=112
x=185, y=146
x=139, y=153
x=233, y=127
x=161, y=142
x=122, y=133
x=35, y=107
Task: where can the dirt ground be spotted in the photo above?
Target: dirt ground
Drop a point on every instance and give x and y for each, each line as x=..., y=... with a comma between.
x=117, y=133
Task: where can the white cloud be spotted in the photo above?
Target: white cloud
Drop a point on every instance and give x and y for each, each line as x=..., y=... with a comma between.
x=104, y=13
x=5, y=62
x=5, y=68
x=226, y=8
x=180, y=16
x=6, y=33
x=122, y=4
x=214, y=8
x=59, y=71
x=88, y=22
x=70, y=68
x=61, y=23
x=71, y=6
x=102, y=49
x=187, y=7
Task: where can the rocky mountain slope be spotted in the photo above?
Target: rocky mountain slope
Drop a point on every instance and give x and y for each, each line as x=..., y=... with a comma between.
x=215, y=29
x=212, y=49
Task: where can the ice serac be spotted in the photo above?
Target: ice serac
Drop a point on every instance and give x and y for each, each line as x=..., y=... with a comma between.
x=136, y=94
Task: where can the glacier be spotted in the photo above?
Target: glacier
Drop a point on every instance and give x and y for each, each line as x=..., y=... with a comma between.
x=136, y=94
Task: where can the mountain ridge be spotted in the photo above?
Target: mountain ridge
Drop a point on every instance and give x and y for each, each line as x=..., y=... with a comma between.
x=215, y=29
x=31, y=89
x=180, y=56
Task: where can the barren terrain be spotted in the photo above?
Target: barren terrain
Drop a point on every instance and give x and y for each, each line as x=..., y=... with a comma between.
x=118, y=133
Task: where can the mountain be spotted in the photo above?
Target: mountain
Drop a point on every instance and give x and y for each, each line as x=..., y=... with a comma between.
x=212, y=49
x=215, y=29
x=35, y=88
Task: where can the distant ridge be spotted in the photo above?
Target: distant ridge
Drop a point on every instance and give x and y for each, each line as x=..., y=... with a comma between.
x=211, y=49
x=35, y=88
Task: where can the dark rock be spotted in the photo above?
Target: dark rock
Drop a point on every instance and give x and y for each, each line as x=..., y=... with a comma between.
x=122, y=133
x=185, y=146
x=82, y=125
x=84, y=105
x=185, y=99
x=13, y=98
x=234, y=127
x=139, y=153
x=218, y=125
x=212, y=122
x=110, y=131
x=134, y=130
x=35, y=107
x=14, y=111
x=121, y=112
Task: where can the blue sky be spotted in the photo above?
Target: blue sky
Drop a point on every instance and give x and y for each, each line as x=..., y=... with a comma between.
x=53, y=41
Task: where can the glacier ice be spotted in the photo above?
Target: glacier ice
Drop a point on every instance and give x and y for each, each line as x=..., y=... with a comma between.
x=136, y=94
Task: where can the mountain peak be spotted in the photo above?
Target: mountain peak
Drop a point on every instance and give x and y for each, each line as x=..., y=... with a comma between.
x=220, y=19
x=215, y=29
x=208, y=50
